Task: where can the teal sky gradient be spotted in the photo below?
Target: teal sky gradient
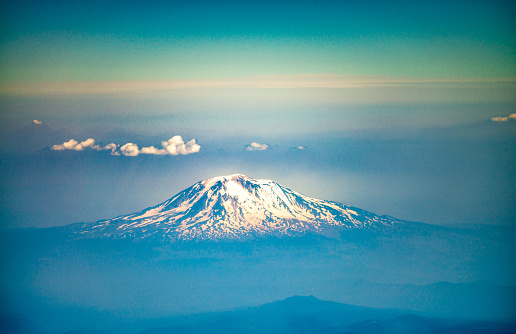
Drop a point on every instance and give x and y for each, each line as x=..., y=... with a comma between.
x=111, y=41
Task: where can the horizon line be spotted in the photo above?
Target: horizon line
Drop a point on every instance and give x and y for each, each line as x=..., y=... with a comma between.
x=272, y=81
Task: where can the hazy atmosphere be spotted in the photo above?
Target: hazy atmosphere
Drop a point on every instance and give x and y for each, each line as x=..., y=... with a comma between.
x=400, y=108
x=433, y=162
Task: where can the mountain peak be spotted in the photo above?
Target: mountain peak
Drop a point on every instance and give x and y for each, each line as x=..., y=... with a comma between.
x=235, y=207
x=234, y=177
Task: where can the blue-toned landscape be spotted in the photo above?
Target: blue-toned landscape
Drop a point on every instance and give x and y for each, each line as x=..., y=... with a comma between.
x=257, y=167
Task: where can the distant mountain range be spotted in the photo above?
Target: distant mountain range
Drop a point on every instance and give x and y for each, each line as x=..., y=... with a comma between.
x=300, y=314
x=235, y=207
x=297, y=314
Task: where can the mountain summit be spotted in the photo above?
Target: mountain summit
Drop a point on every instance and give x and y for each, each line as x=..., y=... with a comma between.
x=235, y=207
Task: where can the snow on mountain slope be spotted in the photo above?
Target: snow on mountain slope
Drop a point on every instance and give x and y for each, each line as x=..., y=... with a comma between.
x=235, y=207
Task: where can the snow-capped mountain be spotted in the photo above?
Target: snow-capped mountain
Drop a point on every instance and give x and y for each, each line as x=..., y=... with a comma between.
x=235, y=207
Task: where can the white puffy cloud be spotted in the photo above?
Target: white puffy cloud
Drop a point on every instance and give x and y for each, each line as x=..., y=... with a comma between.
x=68, y=145
x=73, y=144
x=37, y=122
x=257, y=147
x=504, y=118
x=173, y=146
x=90, y=142
x=130, y=150
x=299, y=148
x=111, y=147
x=176, y=145
x=153, y=150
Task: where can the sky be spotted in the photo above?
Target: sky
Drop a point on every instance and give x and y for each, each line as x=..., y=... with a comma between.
x=397, y=107
x=162, y=40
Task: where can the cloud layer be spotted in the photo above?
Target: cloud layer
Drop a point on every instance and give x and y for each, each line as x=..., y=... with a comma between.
x=256, y=147
x=173, y=146
x=504, y=118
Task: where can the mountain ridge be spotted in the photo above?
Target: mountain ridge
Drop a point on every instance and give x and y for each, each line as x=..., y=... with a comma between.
x=308, y=314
